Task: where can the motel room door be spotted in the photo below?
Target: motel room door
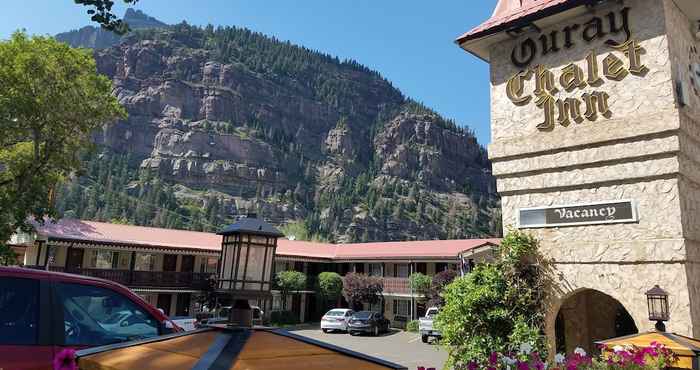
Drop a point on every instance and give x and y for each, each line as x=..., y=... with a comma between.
x=187, y=264
x=74, y=259
x=169, y=262
x=164, y=301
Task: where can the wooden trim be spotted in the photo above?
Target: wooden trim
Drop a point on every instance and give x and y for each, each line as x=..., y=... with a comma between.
x=96, y=350
x=349, y=353
x=224, y=351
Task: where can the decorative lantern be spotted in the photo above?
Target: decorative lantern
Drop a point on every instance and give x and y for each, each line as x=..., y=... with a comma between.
x=245, y=265
x=657, y=302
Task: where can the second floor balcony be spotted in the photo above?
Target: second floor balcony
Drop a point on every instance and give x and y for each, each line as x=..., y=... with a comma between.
x=143, y=279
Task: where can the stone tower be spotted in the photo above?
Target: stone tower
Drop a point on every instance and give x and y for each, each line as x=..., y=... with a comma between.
x=595, y=123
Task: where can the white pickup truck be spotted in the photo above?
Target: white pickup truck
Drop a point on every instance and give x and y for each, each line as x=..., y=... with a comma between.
x=425, y=326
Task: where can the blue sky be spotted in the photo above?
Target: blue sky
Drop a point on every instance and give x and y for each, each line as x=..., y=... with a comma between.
x=409, y=42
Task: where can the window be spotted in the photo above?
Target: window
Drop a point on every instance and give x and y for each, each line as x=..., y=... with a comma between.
x=276, y=302
x=402, y=307
x=145, y=262
x=280, y=266
x=375, y=269
x=19, y=299
x=401, y=270
x=440, y=267
x=95, y=316
x=209, y=264
x=53, y=250
x=103, y=259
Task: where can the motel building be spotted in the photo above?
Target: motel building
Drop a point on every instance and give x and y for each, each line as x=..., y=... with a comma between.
x=170, y=268
x=595, y=126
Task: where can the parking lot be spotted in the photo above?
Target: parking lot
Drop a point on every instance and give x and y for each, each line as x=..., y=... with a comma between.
x=397, y=346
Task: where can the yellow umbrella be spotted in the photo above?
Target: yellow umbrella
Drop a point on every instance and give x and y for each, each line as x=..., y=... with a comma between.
x=220, y=348
x=687, y=349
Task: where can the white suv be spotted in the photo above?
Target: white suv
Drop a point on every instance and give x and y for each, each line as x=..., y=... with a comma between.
x=336, y=319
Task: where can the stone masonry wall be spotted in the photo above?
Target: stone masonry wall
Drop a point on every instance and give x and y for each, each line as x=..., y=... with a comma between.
x=645, y=151
x=683, y=47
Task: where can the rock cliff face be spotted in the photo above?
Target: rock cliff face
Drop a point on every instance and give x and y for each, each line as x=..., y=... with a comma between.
x=97, y=38
x=234, y=118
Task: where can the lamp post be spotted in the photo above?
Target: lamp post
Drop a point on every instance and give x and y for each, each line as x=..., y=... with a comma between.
x=657, y=303
x=245, y=265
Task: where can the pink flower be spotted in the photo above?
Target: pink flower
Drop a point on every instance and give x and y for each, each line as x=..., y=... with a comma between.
x=65, y=360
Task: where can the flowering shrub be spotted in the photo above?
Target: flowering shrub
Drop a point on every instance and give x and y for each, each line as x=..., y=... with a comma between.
x=65, y=360
x=656, y=356
x=496, y=304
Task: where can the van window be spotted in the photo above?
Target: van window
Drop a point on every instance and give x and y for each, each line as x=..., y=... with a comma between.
x=19, y=302
x=97, y=316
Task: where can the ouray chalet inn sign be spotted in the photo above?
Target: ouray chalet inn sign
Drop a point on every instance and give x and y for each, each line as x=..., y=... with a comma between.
x=614, y=29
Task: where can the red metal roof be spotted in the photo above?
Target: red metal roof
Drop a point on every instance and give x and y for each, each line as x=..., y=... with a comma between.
x=409, y=249
x=509, y=12
x=100, y=232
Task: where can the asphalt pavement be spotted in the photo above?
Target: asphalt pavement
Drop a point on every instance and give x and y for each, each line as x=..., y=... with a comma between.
x=397, y=346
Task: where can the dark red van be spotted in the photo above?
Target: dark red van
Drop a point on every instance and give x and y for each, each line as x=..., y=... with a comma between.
x=43, y=312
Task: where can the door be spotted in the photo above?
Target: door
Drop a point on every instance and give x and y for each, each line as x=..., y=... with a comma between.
x=296, y=305
x=164, y=303
x=74, y=259
x=169, y=262
x=183, y=304
x=24, y=344
x=187, y=264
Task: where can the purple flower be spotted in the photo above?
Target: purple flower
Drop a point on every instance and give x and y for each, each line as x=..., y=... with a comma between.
x=65, y=360
x=493, y=359
x=472, y=365
x=522, y=365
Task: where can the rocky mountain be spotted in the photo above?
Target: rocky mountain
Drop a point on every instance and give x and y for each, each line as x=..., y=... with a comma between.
x=98, y=38
x=224, y=121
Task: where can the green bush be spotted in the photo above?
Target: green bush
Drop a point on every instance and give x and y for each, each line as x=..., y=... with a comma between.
x=420, y=284
x=288, y=282
x=497, y=307
x=280, y=318
x=330, y=285
x=412, y=326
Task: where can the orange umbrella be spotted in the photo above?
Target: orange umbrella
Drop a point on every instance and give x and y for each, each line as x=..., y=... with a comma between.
x=220, y=348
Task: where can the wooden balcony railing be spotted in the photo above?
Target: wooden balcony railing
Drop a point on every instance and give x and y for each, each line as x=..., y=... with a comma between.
x=165, y=279
x=396, y=285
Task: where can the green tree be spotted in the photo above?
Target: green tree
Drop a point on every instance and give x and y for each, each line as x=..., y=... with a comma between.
x=359, y=288
x=296, y=230
x=498, y=306
x=51, y=100
x=100, y=11
x=330, y=285
x=8, y=257
x=289, y=282
x=420, y=283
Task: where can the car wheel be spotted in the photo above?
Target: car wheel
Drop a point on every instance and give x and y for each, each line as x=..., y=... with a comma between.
x=325, y=330
x=424, y=338
x=376, y=331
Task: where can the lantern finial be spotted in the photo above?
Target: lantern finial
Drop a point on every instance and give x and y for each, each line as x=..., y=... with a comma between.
x=246, y=265
x=657, y=303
